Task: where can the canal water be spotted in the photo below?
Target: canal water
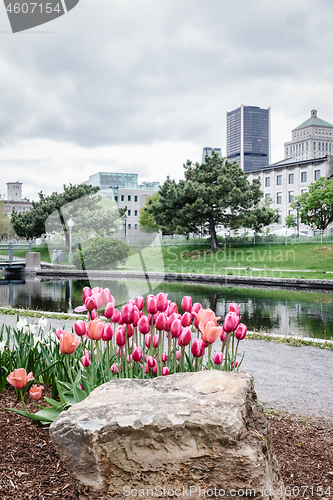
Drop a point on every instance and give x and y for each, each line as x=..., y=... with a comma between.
x=264, y=310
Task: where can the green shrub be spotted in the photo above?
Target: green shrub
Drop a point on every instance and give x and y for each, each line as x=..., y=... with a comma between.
x=100, y=253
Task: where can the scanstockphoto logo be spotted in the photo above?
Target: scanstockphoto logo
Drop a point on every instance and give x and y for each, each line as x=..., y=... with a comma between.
x=26, y=15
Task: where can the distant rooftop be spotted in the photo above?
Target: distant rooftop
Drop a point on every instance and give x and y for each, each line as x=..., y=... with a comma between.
x=313, y=120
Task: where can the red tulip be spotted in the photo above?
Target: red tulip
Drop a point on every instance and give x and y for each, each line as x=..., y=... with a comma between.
x=19, y=378
x=241, y=331
x=231, y=322
x=85, y=361
x=121, y=336
x=95, y=329
x=144, y=325
x=140, y=302
x=187, y=303
x=58, y=332
x=90, y=303
x=162, y=302
x=218, y=358
x=79, y=328
x=234, y=308
x=107, y=333
x=205, y=344
x=186, y=319
x=195, y=309
x=86, y=292
x=155, y=369
x=137, y=354
x=127, y=314
x=176, y=328
x=185, y=337
x=165, y=371
x=68, y=342
x=151, y=305
x=198, y=348
x=36, y=392
x=161, y=321
x=109, y=310
x=116, y=316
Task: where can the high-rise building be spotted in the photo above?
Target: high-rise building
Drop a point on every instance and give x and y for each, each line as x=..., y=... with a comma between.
x=311, y=139
x=248, y=137
x=208, y=152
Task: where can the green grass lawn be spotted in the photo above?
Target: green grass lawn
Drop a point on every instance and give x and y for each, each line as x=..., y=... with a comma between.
x=269, y=260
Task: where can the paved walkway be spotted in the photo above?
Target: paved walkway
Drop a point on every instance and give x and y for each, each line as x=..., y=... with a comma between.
x=296, y=379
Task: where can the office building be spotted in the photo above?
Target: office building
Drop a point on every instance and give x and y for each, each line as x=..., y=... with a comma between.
x=248, y=137
x=311, y=139
x=208, y=152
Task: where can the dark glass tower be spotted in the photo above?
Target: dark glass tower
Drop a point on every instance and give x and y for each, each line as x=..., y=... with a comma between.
x=248, y=137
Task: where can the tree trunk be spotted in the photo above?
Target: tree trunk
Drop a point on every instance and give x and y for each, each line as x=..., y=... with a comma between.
x=64, y=227
x=212, y=233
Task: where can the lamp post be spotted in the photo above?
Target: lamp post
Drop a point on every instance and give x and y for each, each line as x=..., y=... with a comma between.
x=70, y=224
x=297, y=206
x=125, y=219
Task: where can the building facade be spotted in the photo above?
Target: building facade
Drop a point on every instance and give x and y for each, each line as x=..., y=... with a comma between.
x=14, y=199
x=282, y=181
x=208, y=152
x=248, y=137
x=312, y=139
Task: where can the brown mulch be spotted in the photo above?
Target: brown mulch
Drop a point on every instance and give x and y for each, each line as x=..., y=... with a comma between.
x=31, y=469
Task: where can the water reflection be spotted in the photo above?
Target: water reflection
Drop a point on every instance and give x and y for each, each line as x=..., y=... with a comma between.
x=278, y=311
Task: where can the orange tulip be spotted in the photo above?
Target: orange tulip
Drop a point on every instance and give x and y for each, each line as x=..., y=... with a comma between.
x=95, y=329
x=19, y=378
x=210, y=332
x=68, y=342
x=36, y=392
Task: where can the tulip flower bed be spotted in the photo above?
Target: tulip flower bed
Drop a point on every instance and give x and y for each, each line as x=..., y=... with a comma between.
x=146, y=338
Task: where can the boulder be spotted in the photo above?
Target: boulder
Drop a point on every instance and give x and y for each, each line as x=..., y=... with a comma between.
x=186, y=435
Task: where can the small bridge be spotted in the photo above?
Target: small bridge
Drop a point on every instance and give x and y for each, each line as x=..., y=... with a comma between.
x=10, y=261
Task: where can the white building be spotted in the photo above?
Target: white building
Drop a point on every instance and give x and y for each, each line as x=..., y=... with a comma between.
x=312, y=139
x=282, y=181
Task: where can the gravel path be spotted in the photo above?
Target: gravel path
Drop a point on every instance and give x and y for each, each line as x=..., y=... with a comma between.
x=296, y=379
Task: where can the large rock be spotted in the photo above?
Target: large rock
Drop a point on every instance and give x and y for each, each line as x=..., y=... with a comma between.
x=188, y=433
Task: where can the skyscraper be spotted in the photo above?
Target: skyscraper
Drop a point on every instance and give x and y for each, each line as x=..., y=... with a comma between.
x=248, y=137
x=208, y=151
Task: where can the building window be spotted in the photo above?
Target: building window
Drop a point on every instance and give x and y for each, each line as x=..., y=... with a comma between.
x=290, y=212
x=291, y=196
x=135, y=227
x=291, y=178
x=326, y=146
x=128, y=213
x=280, y=218
x=267, y=181
x=135, y=213
x=116, y=199
x=129, y=197
x=278, y=198
x=135, y=198
x=304, y=176
x=122, y=197
x=267, y=198
x=322, y=146
x=296, y=148
x=287, y=150
x=314, y=145
x=129, y=226
x=302, y=146
x=319, y=146
x=303, y=191
x=279, y=180
x=316, y=175
x=307, y=146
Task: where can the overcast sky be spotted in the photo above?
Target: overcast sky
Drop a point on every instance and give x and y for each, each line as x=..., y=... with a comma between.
x=143, y=85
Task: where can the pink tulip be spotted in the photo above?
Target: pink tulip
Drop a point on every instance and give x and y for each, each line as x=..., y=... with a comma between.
x=151, y=305
x=97, y=289
x=178, y=354
x=161, y=302
x=185, y=337
x=205, y=344
x=231, y=322
x=146, y=369
x=19, y=378
x=86, y=353
x=223, y=335
x=155, y=341
x=186, y=319
x=107, y=297
x=140, y=302
x=116, y=316
x=85, y=361
x=136, y=318
x=58, y=332
x=121, y=336
x=90, y=303
x=234, y=308
x=241, y=331
x=172, y=308
x=187, y=303
x=151, y=361
x=137, y=354
x=93, y=314
x=198, y=348
x=127, y=314
x=144, y=325
x=120, y=351
x=80, y=328
x=95, y=329
x=164, y=357
x=155, y=369
x=176, y=328
x=171, y=319
x=195, y=309
x=130, y=331
x=114, y=368
x=218, y=358
x=107, y=333
x=161, y=321
x=98, y=299
x=147, y=341
x=68, y=342
x=233, y=365
x=36, y=392
x=86, y=292
x=165, y=371
x=109, y=310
